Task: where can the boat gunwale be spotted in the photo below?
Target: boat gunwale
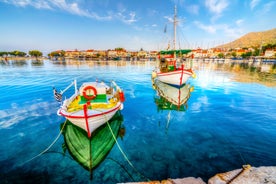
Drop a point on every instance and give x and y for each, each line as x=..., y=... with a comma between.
x=66, y=114
x=174, y=72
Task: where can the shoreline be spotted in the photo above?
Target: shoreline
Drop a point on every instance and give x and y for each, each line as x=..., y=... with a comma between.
x=246, y=174
x=256, y=59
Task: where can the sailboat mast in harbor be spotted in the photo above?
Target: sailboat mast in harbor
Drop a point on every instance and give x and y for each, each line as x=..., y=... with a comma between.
x=174, y=28
x=168, y=72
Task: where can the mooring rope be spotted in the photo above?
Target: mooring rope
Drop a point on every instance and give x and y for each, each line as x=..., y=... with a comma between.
x=44, y=151
x=244, y=168
x=234, y=148
x=121, y=150
x=123, y=153
x=122, y=167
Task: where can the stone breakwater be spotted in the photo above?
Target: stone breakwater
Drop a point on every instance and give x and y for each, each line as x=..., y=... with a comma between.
x=245, y=175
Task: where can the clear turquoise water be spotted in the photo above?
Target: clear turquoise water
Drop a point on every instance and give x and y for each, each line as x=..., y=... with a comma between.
x=227, y=124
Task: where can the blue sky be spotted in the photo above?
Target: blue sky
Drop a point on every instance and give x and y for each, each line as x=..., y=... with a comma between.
x=49, y=25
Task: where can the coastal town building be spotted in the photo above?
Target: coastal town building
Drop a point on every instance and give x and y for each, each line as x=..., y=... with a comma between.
x=270, y=53
x=120, y=53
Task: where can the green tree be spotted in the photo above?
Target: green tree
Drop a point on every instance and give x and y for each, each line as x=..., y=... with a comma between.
x=17, y=53
x=221, y=55
x=246, y=55
x=35, y=53
x=256, y=52
x=21, y=54
x=234, y=54
x=119, y=49
x=60, y=53
x=4, y=53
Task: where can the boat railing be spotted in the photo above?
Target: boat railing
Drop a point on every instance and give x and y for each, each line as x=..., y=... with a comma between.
x=117, y=88
x=70, y=85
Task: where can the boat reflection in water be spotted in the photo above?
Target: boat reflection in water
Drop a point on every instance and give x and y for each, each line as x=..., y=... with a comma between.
x=172, y=97
x=90, y=152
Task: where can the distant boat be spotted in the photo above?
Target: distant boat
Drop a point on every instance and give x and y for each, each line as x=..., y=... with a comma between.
x=171, y=97
x=168, y=71
x=92, y=105
x=90, y=152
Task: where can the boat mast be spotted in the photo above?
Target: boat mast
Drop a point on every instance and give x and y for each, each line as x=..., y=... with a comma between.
x=174, y=28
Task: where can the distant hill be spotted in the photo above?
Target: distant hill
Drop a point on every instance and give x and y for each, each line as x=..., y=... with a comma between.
x=253, y=39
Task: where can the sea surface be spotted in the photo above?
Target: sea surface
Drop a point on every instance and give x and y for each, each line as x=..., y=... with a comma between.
x=229, y=121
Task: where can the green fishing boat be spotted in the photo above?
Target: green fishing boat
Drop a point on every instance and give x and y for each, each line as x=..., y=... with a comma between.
x=90, y=152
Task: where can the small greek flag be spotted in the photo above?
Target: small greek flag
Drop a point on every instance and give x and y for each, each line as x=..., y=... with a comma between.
x=57, y=95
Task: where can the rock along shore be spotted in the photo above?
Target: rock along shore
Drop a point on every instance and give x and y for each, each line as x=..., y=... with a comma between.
x=245, y=175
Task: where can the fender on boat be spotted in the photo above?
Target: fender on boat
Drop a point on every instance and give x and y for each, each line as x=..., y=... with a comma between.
x=121, y=107
x=58, y=112
x=122, y=96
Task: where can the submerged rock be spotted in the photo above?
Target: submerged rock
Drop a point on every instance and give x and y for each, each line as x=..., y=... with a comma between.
x=248, y=174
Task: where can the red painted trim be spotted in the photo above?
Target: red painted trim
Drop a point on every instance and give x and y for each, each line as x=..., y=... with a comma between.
x=174, y=72
x=86, y=120
x=95, y=115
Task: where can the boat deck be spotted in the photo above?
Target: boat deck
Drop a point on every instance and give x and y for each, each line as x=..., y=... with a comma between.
x=101, y=102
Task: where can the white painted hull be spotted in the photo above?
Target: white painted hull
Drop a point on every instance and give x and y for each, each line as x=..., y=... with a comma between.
x=176, y=78
x=95, y=117
x=175, y=95
x=92, y=105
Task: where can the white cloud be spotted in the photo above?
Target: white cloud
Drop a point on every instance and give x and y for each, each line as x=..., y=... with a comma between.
x=41, y=5
x=268, y=6
x=254, y=3
x=170, y=19
x=75, y=9
x=127, y=18
x=72, y=8
x=22, y=3
x=216, y=7
x=132, y=18
x=226, y=30
x=207, y=28
x=232, y=32
x=239, y=22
